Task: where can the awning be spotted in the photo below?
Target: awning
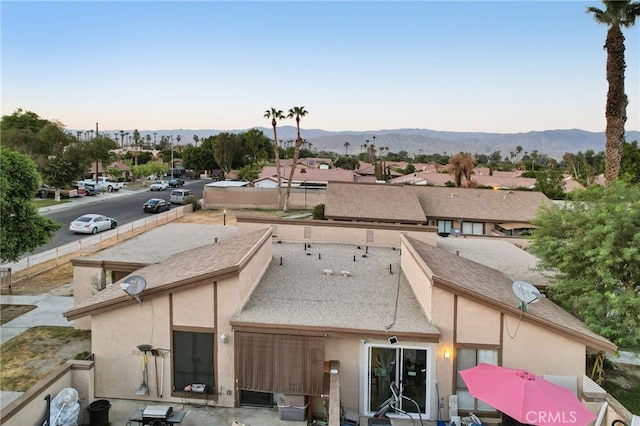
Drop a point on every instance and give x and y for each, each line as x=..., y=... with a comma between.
x=516, y=225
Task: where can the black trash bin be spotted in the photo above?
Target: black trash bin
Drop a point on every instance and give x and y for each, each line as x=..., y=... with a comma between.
x=99, y=413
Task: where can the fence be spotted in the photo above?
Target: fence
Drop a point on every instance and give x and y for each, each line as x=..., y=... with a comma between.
x=12, y=273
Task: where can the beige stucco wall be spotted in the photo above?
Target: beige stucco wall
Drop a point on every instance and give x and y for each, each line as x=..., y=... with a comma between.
x=347, y=351
x=419, y=277
x=83, y=277
x=541, y=350
x=477, y=323
x=194, y=307
x=264, y=198
x=115, y=338
x=337, y=232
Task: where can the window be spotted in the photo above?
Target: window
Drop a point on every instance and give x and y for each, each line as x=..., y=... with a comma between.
x=467, y=358
x=473, y=228
x=445, y=225
x=192, y=359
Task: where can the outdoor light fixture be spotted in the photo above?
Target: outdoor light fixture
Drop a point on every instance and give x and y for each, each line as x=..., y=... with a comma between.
x=224, y=217
x=447, y=353
x=335, y=367
x=224, y=339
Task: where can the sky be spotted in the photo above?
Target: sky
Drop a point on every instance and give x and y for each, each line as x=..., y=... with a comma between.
x=464, y=66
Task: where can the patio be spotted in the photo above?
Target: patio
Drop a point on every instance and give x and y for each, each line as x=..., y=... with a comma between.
x=121, y=409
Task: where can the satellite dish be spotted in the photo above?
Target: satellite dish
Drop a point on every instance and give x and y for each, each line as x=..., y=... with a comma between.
x=65, y=409
x=133, y=286
x=527, y=293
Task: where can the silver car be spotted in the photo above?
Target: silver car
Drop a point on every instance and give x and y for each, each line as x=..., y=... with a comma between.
x=92, y=224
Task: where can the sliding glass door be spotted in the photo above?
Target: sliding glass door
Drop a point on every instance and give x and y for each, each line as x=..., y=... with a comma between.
x=404, y=366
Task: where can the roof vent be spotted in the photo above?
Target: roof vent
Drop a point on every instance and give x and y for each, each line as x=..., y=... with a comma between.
x=346, y=273
x=328, y=272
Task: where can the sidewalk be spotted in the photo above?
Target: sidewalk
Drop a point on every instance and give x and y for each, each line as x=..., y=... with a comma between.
x=91, y=199
x=48, y=311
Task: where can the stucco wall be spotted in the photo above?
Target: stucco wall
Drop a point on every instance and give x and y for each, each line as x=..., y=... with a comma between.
x=264, y=198
x=194, y=307
x=290, y=230
x=347, y=351
x=115, y=338
x=541, y=350
x=83, y=279
x=477, y=323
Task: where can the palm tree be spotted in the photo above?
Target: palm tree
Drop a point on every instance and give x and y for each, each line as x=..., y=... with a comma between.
x=298, y=113
x=196, y=139
x=346, y=148
x=275, y=115
x=461, y=165
x=618, y=13
x=518, y=151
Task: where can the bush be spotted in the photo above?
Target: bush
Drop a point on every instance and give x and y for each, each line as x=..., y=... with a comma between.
x=195, y=203
x=318, y=212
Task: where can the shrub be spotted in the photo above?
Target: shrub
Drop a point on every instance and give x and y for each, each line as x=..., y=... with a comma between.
x=195, y=203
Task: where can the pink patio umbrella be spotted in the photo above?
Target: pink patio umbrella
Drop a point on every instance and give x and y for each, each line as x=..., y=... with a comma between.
x=528, y=398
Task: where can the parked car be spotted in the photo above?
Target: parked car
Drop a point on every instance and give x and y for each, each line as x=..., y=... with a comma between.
x=176, y=182
x=156, y=205
x=178, y=196
x=92, y=224
x=50, y=192
x=107, y=183
x=159, y=185
x=92, y=188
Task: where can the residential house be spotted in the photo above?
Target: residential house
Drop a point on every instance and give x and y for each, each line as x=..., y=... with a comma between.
x=470, y=211
x=260, y=314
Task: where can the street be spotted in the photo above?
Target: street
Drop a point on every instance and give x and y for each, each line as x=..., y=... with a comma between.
x=124, y=208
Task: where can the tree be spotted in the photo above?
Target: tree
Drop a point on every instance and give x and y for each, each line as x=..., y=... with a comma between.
x=347, y=163
x=551, y=184
x=65, y=168
x=346, y=148
x=298, y=113
x=617, y=14
x=224, y=149
x=630, y=165
x=99, y=150
x=461, y=165
x=23, y=229
x=275, y=115
x=593, y=245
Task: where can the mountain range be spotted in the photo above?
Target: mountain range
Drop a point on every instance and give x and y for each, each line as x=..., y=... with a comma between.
x=553, y=143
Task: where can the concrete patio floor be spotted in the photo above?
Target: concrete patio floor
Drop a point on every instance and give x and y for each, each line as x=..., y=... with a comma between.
x=121, y=410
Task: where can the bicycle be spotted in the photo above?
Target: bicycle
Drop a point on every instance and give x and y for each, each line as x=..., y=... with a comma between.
x=391, y=404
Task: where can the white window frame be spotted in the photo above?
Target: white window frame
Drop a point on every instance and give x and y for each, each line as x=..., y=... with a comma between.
x=430, y=403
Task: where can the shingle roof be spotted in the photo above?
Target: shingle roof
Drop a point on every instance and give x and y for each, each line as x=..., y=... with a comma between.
x=479, y=204
x=372, y=202
x=221, y=257
x=484, y=283
x=407, y=203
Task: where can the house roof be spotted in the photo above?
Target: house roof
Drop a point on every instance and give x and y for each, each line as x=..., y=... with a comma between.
x=479, y=204
x=372, y=202
x=487, y=285
x=229, y=184
x=409, y=203
x=181, y=269
x=310, y=174
x=300, y=292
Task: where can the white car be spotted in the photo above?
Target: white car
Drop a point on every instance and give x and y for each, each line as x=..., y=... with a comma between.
x=159, y=185
x=92, y=224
